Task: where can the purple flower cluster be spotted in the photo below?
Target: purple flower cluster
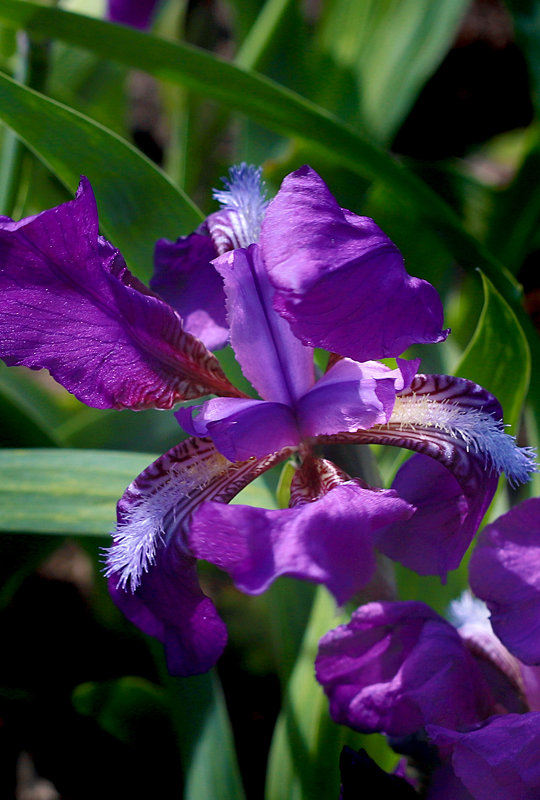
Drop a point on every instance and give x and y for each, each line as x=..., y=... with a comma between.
x=402, y=670
x=276, y=280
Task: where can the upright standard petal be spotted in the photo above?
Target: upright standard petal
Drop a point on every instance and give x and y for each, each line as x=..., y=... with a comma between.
x=396, y=667
x=340, y=282
x=151, y=570
x=185, y=278
x=457, y=423
x=71, y=306
x=275, y=362
x=329, y=541
x=505, y=574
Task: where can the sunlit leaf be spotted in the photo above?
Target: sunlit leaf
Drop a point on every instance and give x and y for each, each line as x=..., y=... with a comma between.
x=498, y=356
x=75, y=491
x=389, y=49
x=137, y=202
x=64, y=491
x=205, y=738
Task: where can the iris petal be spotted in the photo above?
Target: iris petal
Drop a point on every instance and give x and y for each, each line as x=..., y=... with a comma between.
x=498, y=760
x=505, y=573
x=340, y=282
x=71, y=306
x=352, y=396
x=137, y=13
x=151, y=570
x=397, y=666
x=328, y=540
x=170, y=606
x=457, y=423
x=275, y=362
x=242, y=429
x=185, y=278
x=435, y=540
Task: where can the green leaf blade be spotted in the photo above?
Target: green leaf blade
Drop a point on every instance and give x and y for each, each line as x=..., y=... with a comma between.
x=64, y=492
x=137, y=202
x=498, y=355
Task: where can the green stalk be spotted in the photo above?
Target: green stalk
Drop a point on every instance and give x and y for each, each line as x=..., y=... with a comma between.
x=12, y=148
x=259, y=39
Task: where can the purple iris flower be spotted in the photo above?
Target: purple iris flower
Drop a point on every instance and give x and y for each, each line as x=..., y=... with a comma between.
x=505, y=573
x=399, y=667
x=285, y=277
x=137, y=13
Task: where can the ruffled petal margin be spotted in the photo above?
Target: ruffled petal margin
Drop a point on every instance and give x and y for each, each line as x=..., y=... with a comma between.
x=396, y=667
x=71, y=306
x=326, y=538
x=340, y=282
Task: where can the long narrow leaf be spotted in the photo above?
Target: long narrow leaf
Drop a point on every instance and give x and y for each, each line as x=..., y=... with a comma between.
x=75, y=491
x=64, y=491
x=304, y=758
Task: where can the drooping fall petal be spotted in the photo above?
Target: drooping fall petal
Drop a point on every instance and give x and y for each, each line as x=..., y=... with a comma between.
x=435, y=540
x=71, y=306
x=457, y=423
x=170, y=605
x=151, y=570
x=329, y=541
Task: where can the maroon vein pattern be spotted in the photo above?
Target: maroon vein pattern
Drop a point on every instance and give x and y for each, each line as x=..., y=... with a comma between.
x=315, y=478
x=452, y=451
x=157, y=506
